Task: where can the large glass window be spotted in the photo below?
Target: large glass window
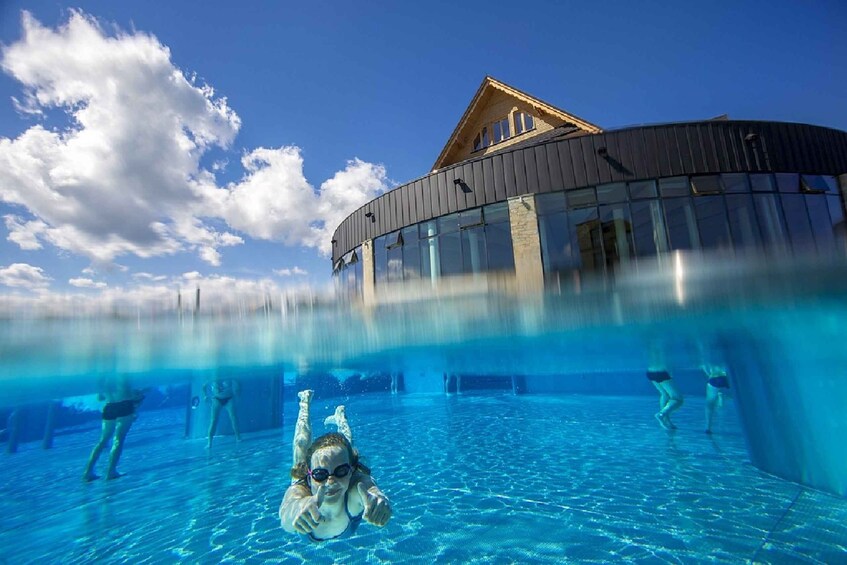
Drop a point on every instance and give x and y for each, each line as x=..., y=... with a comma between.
x=474, y=257
x=430, y=258
x=411, y=253
x=820, y=222
x=471, y=241
x=586, y=239
x=354, y=273
x=556, y=252
x=713, y=222
x=499, y=239
x=380, y=260
x=771, y=221
x=742, y=221
x=450, y=248
x=347, y=274
x=797, y=222
x=394, y=254
x=836, y=210
x=618, y=245
x=681, y=223
x=649, y=234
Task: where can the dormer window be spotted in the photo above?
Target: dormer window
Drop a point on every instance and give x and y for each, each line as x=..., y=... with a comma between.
x=523, y=122
x=501, y=130
x=481, y=141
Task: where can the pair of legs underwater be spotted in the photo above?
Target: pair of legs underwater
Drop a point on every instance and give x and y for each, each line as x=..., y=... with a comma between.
x=714, y=398
x=229, y=405
x=303, y=428
x=670, y=400
x=118, y=427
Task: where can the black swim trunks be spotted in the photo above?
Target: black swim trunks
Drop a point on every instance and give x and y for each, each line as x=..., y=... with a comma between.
x=719, y=382
x=115, y=410
x=223, y=400
x=658, y=376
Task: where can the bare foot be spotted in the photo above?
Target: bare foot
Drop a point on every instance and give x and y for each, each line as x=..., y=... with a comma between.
x=305, y=395
x=114, y=475
x=335, y=418
x=88, y=477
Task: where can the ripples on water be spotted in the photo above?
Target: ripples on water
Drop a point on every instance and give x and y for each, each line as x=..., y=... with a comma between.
x=487, y=478
x=598, y=330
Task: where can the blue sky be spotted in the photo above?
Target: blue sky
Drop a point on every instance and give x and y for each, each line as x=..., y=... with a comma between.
x=118, y=177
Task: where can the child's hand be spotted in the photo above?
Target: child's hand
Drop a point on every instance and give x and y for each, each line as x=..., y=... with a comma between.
x=309, y=515
x=377, y=507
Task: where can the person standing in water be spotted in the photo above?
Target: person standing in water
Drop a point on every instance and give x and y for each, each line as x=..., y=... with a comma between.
x=670, y=399
x=717, y=385
x=222, y=393
x=118, y=416
x=332, y=491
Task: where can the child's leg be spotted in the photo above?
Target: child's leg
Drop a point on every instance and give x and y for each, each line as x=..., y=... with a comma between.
x=303, y=429
x=340, y=420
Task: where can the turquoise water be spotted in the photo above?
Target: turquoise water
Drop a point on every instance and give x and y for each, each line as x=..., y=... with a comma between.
x=571, y=468
x=473, y=478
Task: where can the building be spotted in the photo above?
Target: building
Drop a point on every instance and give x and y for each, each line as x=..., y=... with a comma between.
x=530, y=196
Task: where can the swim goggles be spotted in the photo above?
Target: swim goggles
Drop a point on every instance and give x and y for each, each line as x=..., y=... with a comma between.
x=320, y=474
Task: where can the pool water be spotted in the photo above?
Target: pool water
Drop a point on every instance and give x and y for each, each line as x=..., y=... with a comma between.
x=573, y=468
x=486, y=477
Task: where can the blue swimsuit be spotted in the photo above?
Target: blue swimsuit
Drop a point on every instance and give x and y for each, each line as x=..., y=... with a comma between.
x=353, y=523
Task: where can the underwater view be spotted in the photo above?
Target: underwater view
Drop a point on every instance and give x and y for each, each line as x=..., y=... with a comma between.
x=498, y=430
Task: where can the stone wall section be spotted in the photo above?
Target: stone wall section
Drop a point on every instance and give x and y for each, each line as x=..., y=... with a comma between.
x=526, y=244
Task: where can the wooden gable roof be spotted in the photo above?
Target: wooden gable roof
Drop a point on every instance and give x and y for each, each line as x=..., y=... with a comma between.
x=490, y=89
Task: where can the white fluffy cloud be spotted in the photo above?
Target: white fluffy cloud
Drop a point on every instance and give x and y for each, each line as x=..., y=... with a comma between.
x=86, y=283
x=125, y=175
x=290, y=272
x=22, y=275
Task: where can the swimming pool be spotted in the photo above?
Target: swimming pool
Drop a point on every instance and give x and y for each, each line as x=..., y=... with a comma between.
x=563, y=463
x=482, y=477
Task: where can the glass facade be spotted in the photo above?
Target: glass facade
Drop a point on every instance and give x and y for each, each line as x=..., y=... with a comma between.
x=347, y=274
x=467, y=242
x=783, y=212
x=598, y=230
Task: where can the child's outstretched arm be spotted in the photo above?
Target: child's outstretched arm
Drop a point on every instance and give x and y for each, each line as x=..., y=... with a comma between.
x=300, y=511
x=376, y=504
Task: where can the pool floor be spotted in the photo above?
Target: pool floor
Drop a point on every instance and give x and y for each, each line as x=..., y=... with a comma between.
x=476, y=478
